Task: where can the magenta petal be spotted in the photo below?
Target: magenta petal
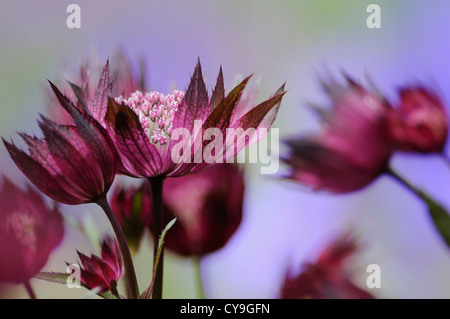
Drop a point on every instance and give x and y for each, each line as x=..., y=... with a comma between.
x=134, y=144
x=102, y=272
x=64, y=101
x=111, y=254
x=99, y=143
x=29, y=232
x=195, y=105
x=74, y=157
x=219, y=91
x=261, y=115
x=323, y=168
x=104, y=90
x=221, y=115
x=40, y=177
x=91, y=280
x=124, y=166
x=80, y=96
x=104, y=268
x=39, y=152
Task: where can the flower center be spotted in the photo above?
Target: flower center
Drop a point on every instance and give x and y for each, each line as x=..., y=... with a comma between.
x=155, y=111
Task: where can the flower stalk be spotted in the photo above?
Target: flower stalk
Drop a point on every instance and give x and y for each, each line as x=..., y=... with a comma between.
x=158, y=226
x=132, y=285
x=198, y=277
x=438, y=214
x=30, y=290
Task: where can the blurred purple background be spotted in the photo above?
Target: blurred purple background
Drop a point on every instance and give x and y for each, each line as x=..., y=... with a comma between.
x=279, y=41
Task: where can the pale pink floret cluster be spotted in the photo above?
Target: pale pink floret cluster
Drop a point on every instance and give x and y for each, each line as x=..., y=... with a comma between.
x=155, y=111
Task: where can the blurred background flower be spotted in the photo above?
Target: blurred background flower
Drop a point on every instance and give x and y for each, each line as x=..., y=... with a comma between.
x=132, y=207
x=29, y=232
x=328, y=277
x=208, y=208
x=279, y=41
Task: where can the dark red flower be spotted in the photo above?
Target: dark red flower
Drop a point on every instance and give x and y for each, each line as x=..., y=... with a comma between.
x=354, y=146
x=102, y=272
x=29, y=232
x=143, y=126
x=327, y=278
x=421, y=124
x=132, y=207
x=208, y=208
x=72, y=164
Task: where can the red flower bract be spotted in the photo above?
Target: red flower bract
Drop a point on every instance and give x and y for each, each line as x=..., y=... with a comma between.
x=104, y=272
x=29, y=232
x=208, y=208
x=327, y=278
x=421, y=124
x=73, y=164
x=93, y=83
x=142, y=124
x=354, y=146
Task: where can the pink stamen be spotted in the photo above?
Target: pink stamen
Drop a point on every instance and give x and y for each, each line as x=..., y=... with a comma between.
x=156, y=112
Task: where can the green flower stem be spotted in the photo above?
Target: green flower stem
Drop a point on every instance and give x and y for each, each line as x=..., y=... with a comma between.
x=198, y=277
x=438, y=214
x=132, y=285
x=158, y=227
x=417, y=192
x=30, y=290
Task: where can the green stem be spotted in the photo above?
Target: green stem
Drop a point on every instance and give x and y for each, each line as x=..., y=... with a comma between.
x=158, y=227
x=438, y=214
x=417, y=192
x=132, y=285
x=30, y=290
x=198, y=277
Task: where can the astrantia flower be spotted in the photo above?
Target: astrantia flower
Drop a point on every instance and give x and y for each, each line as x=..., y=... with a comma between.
x=72, y=164
x=132, y=207
x=29, y=232
x=102, y=272
x=327, y=278
x=143, y=125
x=354, y=146
x=421, y=123
x=208, y=208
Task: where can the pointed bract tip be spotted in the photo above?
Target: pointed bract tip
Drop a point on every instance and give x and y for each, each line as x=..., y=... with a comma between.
x=6, y=143
x=198, y=69
x=53, y=86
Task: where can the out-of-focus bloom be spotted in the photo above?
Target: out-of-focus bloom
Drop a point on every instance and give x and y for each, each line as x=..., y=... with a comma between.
x=208, y=208
x=327, y=278
x=132, y=207
x=102, y=272
x=73, y=164
x=29, y=232
x=421, y=123
x=354, y=146
x=143, y=125
x=88, y=77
